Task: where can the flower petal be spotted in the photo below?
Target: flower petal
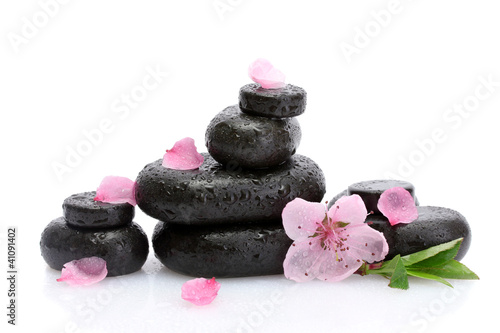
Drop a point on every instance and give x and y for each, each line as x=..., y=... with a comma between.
x=300, y=217
x=263, y=72
x=301, y=258
x=349, y=209
x=398, y=206
x=365, y=243
x=333, y=268
x=200, y=291
x=115, y=190
x=84, y=271
x=183, y=156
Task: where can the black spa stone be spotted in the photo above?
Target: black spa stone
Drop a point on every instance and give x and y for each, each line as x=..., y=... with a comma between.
x=80, y=210
x=371, y=190
x=222, y=251
x=434, y=226
x=247, y=141
x=216, y=194
x=125, y=248
x=289, y=101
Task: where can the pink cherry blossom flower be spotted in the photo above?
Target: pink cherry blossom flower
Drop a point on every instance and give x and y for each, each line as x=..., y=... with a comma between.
x=84, y=271
x=116, y=190
x=330, y=244
x=398, y=206
x=183, y=156
x=264, y=73
x=200, y=291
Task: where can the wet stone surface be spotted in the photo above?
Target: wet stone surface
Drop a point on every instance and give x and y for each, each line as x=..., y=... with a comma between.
x=222, y=251
x=251, y=141
x=125, y=248
x=217, y=194
x=289, y=101
x=80, y=210
x=434, y=226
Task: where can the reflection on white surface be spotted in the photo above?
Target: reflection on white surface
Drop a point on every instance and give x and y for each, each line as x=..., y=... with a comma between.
x=149, y=300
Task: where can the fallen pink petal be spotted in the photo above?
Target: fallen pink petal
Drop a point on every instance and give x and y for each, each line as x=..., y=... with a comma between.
x=200, y=291
x=85, y=271
x=263, y=72
x=116, y=190
x=183, y=156
x=329, y=245
x=398, y=205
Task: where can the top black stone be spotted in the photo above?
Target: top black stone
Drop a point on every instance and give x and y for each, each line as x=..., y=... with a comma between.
x=80, y=210
x=289, y=101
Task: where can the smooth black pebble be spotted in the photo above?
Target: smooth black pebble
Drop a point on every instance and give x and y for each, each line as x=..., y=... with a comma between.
x=222, y=251
x=216, y=194
x=289, y=101
x=371, y=190
x=80, y=210
x=234, y=137
x=125, y=248
x=434, y=226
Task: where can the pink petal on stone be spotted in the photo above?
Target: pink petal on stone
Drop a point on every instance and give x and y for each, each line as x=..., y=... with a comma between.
x=263, y=72
x=200, y=291
x=116, y=190
x=183, y=156
x=398, y=206
x=349, y=209
x=301, y=217
x=84, y=271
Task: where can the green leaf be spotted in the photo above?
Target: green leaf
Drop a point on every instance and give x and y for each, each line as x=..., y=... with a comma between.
x=439, y=258
x=435, y=263
x=399, y=278
x=428, y=276
x=439, y=252
x=451, y=269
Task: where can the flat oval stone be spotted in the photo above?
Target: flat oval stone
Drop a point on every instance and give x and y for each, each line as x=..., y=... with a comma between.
x=434, y=226
x=289, y=101
x=80, y=210
x=251, y=141
x=371, y=190
x=125, y=248
x=216, y=194
x=222, y=251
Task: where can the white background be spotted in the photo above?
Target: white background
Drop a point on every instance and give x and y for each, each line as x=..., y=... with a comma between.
x=369, y=113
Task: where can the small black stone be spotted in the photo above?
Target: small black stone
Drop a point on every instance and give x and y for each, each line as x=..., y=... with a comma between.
x=371, y=190
x=216, y=194
x=125, y=248
x=289, y=101
x=434, y=226
x=233, y=137
x=222, y=251
x=80, y=210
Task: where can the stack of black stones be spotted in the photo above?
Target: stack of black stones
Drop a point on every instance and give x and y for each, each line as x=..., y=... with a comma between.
x=434, y=225
x=224, y=218
x=91, y=228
